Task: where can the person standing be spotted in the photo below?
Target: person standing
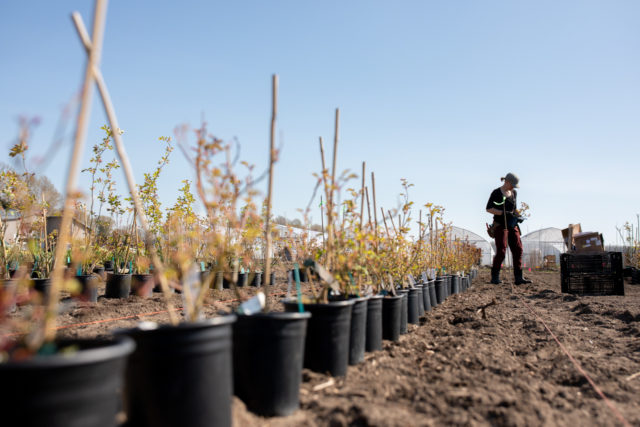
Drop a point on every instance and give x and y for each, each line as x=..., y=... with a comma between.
x=502, y=205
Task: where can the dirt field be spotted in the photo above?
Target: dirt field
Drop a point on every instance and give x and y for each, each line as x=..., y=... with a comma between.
x=456, y=367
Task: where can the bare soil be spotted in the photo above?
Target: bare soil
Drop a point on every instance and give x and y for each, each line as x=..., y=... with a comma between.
x=461, y=365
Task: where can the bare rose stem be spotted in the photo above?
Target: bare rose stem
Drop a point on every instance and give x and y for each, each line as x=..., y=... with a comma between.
x=126, y=165
x=71, y=190
x=274, y=112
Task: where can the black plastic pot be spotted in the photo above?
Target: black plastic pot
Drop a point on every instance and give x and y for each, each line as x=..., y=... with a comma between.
x=242, y=280
x=455, y=284
x=78, y=389
x=426, y=298
x=42, y=286
x=358, y=335
x=89, y=287
x=373, y=339
x=218, y=282
x=204, y=276
x=327, y=343
x=181, y=375
x=257, y=279
x=108, y=265
x=420, y=289
x=144, y=285
x=447, y=288
x=413, y=297
x=404, y=313
x=391, y=314
x=303, y=274
x=268, y=352
x=118, y=286
x=433, y=300
x=440, y=286
x=226, y=281
x=100, y=271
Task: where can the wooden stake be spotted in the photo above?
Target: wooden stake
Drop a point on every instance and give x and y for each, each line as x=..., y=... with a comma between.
x=362, y=196
x=126, y=165
x=366, y=192
x=99, y=18
x=384, y=219
x=272, y=149
x=329, y=244
x=392, y=223
x=333, y=176
x=375, y=214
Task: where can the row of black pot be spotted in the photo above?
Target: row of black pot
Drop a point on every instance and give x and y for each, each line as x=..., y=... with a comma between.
x=124, y=285
x=186, y=374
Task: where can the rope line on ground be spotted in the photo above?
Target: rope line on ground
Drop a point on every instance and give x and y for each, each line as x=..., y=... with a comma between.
x=575, y=362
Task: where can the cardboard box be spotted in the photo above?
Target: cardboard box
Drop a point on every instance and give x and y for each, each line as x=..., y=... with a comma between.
x=576, y=228
x=588, y=242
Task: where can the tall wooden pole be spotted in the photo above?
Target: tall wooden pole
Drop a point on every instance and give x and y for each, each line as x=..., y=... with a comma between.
x=375, y=214
x=93, y=60
x=272, y=156
x=362, y=195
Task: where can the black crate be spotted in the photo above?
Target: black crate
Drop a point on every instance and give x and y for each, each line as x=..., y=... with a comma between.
x=592, y=274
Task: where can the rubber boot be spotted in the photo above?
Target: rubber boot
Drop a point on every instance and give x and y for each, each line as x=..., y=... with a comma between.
x=517, y=273
x=495, y=276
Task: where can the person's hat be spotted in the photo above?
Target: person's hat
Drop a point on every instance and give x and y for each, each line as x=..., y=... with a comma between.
x=512, y=179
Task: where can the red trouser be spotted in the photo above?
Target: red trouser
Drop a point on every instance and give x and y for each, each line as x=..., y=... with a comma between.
x=513, y=237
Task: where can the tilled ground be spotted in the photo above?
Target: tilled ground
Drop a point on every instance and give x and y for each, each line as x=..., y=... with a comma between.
x=460, y=368
x=461, y=365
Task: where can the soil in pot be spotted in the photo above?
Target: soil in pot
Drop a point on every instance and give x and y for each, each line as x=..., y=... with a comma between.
x=391, y=314
x=373, y=341
x=181, y=375
x=268, y=353
x=118, y=286
x=327, y=342
x=77, y=389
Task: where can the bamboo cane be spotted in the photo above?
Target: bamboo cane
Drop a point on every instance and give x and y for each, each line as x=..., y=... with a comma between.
x=375, y=214
x=93, y=60
x=384, y=219
x=392, y=223
x=328, y=246
x=274, y=112
x=366, y=192
x=333, y=179
x=362, y=195
x=126, y=165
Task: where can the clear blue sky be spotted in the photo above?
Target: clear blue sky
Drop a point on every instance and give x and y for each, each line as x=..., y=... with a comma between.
x=448, y=94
